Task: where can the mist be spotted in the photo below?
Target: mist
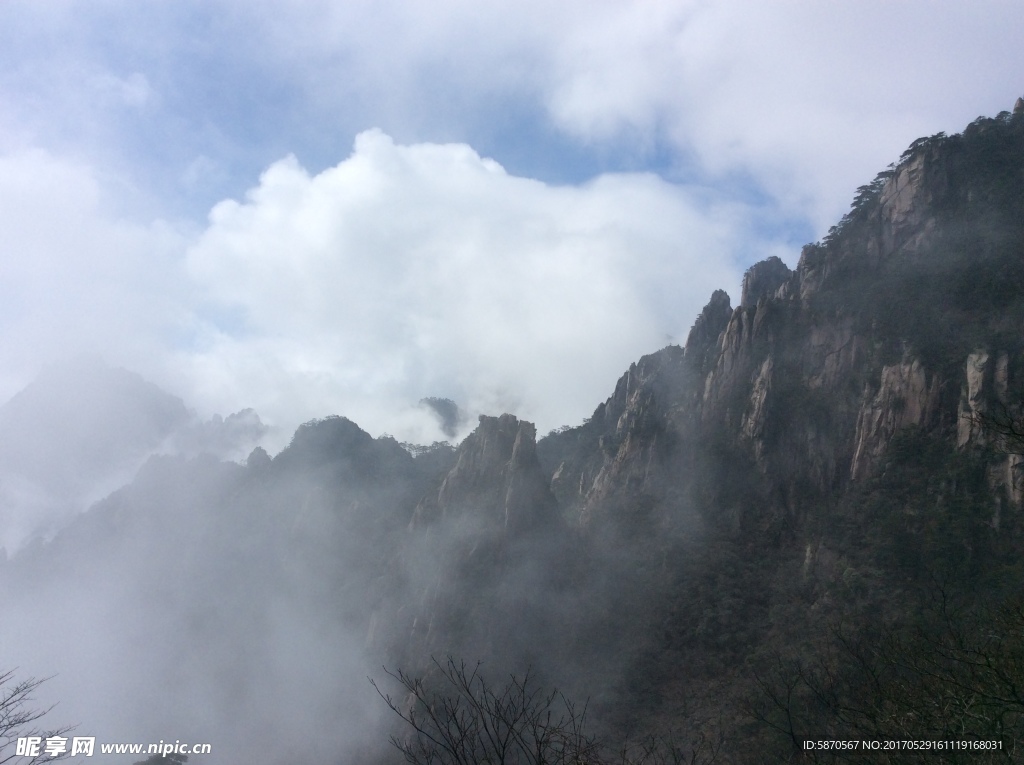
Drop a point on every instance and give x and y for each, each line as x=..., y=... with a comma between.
x=246, y=604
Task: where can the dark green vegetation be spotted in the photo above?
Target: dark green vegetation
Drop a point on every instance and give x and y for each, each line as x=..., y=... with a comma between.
x=806, y=524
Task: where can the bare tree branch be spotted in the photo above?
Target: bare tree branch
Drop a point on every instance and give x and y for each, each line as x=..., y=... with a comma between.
x=17, y=715
x=460, y=719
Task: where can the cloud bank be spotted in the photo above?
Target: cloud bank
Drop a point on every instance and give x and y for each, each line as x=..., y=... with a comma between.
x=651, y=152
x=427, y=270
x=400, y=273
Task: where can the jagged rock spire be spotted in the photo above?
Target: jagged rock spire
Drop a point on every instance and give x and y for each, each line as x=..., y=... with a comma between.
x=762, y=279
x=496, y=478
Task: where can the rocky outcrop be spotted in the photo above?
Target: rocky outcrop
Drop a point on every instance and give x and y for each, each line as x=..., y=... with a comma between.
x=496, y=478
x=763, y=280
x=974, y=398
x=731, y=367
x=907, y=203
x=337, y=447
x=988, y=416
x=616, y=451
x=1009, y=476
x=755, y=418
x=905, y=397
x=833, y=352
x=702, y=342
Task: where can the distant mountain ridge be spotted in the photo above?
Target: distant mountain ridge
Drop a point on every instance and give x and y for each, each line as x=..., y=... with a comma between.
x=81, y=429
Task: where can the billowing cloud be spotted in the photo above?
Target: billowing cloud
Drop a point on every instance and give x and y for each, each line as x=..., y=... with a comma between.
x=402, y=272
x=806, y=99
x=421, y=269
x=410, y=271
x=801, y=101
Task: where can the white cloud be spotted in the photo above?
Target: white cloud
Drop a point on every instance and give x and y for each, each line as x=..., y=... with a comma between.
x=801, y=100
x=403, y=272
x=807, y=99
x=408, y=271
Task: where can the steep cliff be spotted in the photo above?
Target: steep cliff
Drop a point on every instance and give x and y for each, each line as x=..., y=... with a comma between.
x=496, y=478
x=907, y=315
x=831, y=447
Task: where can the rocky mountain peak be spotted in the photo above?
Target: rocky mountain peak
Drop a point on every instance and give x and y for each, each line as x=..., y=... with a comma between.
x=763, y=279
x=809, y=382
x=706, y=329
x=338, y=446
x=496, y=477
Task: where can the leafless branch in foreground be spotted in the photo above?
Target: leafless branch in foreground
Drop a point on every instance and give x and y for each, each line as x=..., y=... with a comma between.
x=18, y=715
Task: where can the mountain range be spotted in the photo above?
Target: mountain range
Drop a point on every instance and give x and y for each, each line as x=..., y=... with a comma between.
x=805, y=523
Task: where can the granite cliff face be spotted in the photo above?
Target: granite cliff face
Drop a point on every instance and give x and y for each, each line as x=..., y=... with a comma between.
x=835, y=444
x=906, y=317
x=496, y=478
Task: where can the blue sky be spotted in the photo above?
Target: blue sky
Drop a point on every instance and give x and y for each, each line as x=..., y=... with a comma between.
x=325, y=207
